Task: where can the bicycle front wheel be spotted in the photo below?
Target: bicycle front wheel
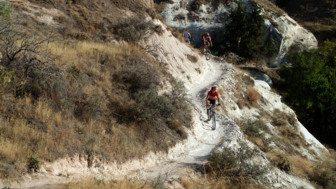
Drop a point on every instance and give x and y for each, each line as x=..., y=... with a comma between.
x=214, y=122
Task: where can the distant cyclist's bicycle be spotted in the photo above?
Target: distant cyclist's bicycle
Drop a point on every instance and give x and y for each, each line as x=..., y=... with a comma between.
x=207, y=51
x=212, y=115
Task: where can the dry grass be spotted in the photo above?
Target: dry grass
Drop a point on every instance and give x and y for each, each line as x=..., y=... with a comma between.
x=316, y=26
x=177, y=34
x=92, y=183
x=192, y=58
x=268, y=5
x=185, y=182
x=241, y=103
x=88, y=121
x=252, y=95
x=301, y=166
x=210, y=182
x=292, y=164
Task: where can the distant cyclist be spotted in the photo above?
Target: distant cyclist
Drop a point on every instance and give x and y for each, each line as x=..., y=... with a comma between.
x=187, y=36
x=211, y=98
x=206, y=39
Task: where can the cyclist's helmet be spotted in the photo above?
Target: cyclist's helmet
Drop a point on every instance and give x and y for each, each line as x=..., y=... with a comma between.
x=213, y=88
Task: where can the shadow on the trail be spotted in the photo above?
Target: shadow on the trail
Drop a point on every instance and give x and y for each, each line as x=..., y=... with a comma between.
x=206, y=125
x=202, y=158
x=202, y=93
x=197, y=166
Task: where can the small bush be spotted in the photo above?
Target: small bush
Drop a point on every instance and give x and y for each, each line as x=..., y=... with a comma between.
x=255, y=131
x=241, y=103
x=5, y=79
x=5, y=9
x=88, y=106
x=154, y=106
x=282, y=163
x=324, y=175
x=138, y=77
x=180, y=17
x=277, y=121
x=192, y=58
x=279, y=118
x=291, y=118
x=252, y=95
x=134, y=29
x=178, y=127
x=235, y=166
x=253, y=128
x=33, y=163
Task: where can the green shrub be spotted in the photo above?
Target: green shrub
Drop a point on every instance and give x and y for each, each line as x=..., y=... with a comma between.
x=324, y=175
x=5, y=78
x=88, y=106
x=235, y=165
x=153, y=105
x=5, y=9
x=244, y=35
x=134, y=29
x=310, y=85
x=138, y=76
x=33, y=163
x=254, y=128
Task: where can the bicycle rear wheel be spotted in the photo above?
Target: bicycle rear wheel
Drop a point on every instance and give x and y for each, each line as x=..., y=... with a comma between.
x=209, y=114
x=207, y=54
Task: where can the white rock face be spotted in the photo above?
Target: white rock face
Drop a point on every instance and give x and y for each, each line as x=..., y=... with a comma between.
x=286, y=31
x=291, y=36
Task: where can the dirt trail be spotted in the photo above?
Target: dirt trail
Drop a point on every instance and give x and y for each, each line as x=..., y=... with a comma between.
x=203, y=140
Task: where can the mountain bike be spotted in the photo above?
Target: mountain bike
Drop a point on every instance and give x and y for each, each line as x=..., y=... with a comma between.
x=212, y=115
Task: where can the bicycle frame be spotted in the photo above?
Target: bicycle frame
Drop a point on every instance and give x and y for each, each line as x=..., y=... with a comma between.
x=212, y=116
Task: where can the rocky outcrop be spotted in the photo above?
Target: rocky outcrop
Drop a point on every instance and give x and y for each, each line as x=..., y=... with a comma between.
x=290, y=36
x=287, y=33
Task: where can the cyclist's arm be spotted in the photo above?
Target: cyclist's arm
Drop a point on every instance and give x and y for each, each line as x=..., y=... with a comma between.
x=210, y=41
x=207, y=100
x=219, y=100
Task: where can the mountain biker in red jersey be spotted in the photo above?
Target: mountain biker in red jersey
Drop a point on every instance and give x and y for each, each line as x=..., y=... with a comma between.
x=211, y=98
x=206, y=41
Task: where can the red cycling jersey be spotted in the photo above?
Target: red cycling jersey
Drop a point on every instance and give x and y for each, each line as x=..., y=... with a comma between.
x=212, y=96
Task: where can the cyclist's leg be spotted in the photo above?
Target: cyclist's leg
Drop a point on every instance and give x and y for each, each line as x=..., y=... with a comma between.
x=208, y=107
x=212, y=103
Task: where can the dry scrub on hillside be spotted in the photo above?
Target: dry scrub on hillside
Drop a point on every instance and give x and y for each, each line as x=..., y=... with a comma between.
x=235, y=168
x=249, y=99
x=93, y=100
x=93, y=183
